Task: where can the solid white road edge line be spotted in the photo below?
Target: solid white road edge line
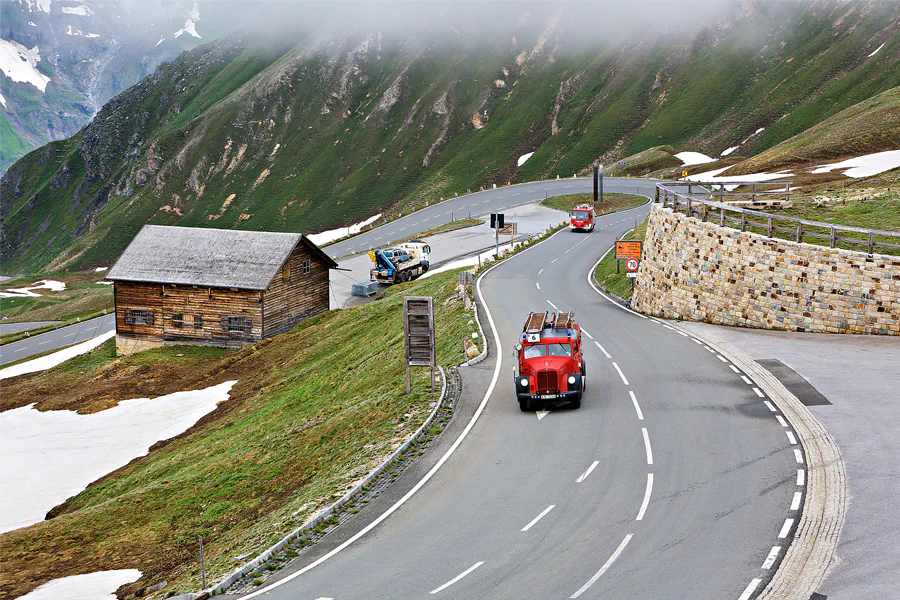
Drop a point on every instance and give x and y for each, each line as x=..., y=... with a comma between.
x=621, y=374
x=646, y=502
x=647, y=446
x=596, y=289
x=637, y=406
x=584, y=475
x=604, y=568
x=457, y=578
x=750, y=589
x=770, y=559
x=539, y=517
x=603, y=350
x=465, y=432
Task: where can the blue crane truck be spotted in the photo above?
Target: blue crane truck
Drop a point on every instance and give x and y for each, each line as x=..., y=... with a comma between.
x=399, y=263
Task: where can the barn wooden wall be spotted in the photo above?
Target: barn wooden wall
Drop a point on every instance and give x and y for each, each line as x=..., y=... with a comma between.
x=300, y=297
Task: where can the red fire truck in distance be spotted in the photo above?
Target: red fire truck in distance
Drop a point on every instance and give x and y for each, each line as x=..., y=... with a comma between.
x=583, y=218
x=550, y=367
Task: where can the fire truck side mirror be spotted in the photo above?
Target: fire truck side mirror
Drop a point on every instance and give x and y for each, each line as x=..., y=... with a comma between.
x=518, y=347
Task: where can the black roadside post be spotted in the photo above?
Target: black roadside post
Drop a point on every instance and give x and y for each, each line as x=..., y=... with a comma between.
x=601, y=185
x=596, y=184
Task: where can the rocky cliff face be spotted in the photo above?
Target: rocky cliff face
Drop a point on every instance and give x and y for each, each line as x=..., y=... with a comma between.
x=62, y=60
x=308, y=131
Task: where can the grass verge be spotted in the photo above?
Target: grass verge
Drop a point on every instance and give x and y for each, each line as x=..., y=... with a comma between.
x=612, y=202
x=611, y=277
x=83, y=298
x=314, y=410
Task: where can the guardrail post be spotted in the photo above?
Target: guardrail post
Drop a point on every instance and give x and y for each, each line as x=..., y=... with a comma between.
x=753, y=198
x=656, y=197
x=721, y=216
x=770, y=226
x=799, y=232
x=833, y=238
x=689, y=211
x=743, y=221
x=871, y=243
x=703, y=212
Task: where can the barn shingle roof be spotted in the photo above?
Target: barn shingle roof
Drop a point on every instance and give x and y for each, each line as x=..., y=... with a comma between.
x=207, y=257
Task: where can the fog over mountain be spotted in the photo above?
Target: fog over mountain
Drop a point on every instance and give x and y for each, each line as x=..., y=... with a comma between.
x=310, y=116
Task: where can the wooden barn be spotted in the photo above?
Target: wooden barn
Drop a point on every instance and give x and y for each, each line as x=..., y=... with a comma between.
x=215, y=287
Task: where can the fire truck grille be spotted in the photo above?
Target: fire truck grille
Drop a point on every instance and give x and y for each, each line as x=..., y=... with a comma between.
x=546, y=381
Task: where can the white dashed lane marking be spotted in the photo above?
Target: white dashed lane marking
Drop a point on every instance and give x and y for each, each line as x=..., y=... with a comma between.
x=646, y=502
x=604, y=568
x=603, y=350
x=553, y=305
x=795, y=502
x=457, y=578
x=750, y=589
x=647, y=446
x=769, y=406
x=637, y=407
x=770, y=559
x=785, y=529
x=801, y=476
x=798, y=456
x=584, y=475
x=621, y=374
x=758, y=392
x=539, y=517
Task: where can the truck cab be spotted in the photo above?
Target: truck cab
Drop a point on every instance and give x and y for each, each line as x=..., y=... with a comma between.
x=582, y=218
x=550, y=367
x=399, y=263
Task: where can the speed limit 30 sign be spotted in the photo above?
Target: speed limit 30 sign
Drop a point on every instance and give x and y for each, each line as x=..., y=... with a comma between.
x=631, y=265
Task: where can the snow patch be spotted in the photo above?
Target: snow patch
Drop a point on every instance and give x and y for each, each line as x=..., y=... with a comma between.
x=194, y=13
x=82, y=10
x=523, y=158
x=20, y=64
x=162, y=38
x=693, y=158
x=105, y=282
x=865, y=166
x=101, y=269
x=712, y=177
x=189, y=27
x=876, y=50
x=2, y=100
x=38, y=5
x=92, y=586
x=47, y=457
x=51, y=360
x=44, y=284
x=32, y=23
x=326, y=237
x=729, y=151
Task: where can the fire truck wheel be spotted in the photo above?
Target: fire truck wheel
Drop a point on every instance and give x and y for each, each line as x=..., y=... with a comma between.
x=576, y=403
x=523, y=405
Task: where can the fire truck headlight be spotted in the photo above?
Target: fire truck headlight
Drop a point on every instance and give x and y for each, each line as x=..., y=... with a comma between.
x=571, y=380
x=523, y=382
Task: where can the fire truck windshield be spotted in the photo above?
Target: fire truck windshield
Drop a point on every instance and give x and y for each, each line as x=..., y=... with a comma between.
x=560, y=349
x=535, y=351
x=581, y=215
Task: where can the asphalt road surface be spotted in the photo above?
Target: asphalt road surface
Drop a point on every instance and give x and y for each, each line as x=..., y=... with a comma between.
x=482, y=203
x=64, y=336
x=672, y=481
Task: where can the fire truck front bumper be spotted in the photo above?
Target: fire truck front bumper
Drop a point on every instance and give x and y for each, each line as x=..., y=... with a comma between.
x=575, y=391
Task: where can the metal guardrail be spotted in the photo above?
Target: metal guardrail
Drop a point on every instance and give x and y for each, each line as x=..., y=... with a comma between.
x=743, y=218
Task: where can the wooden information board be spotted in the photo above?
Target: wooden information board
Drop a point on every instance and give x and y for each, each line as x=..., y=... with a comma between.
x=418, y=330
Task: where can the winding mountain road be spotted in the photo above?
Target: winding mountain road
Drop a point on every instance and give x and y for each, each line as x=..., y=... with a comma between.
x=672, y=481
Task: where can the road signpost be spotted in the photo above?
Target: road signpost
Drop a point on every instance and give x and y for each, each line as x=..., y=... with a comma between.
x=628, y=249
x=598, y=184
x=418, y=334
x=497, y=224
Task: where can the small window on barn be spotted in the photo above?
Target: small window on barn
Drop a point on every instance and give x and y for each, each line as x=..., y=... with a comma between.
x=239, y=324
x=139, y=316
x=304, y=266
x=286, y=272
x=198, y=321
x=178, y=320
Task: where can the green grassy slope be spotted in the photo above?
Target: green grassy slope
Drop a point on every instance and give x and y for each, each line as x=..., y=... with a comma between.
x=319, y=131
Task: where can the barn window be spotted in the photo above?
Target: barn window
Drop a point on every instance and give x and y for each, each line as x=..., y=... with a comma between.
x=178, y=320
x=139, y=316
x=198, y=321
x=304, y=266
x=286, y=273
x=241, y=324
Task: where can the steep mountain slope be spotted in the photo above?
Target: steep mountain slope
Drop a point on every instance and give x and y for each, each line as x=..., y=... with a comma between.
x=325, y=129
x=79, y=54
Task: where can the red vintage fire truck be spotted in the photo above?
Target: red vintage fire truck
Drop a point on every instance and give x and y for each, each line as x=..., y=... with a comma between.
x=550, y=368
x=583, y=218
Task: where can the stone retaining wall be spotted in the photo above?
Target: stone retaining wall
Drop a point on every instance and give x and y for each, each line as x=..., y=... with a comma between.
x=703, y=272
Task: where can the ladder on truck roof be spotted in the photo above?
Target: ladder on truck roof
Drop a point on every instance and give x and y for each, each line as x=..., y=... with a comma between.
x=563, y=320
x=535, y=322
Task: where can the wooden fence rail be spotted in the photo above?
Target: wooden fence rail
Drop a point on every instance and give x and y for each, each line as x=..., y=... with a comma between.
x=743, y=218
